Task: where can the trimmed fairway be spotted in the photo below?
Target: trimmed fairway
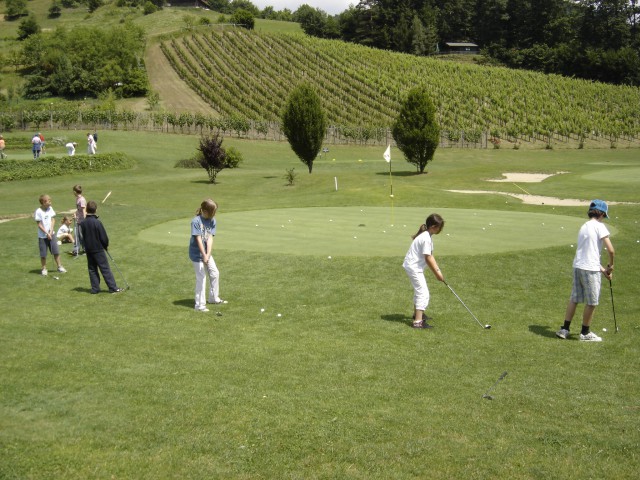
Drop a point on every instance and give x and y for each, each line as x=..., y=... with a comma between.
x=375, y=231
x=339, y=386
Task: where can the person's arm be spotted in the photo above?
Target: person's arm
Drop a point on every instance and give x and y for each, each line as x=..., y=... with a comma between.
x=202, y=248
x=608, y=272
x=209, y=245
x=41, y=227
x=433, y=266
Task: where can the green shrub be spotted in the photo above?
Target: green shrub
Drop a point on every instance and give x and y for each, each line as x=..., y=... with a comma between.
x=50, y=166
x=193, y=162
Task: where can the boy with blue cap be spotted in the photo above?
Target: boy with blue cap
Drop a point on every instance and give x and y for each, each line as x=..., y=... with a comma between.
x=587, y=269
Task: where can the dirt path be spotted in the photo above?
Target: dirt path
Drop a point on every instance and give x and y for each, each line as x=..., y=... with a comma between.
x=175, y=94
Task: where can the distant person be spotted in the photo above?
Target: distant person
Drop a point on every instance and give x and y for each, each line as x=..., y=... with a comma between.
x=2, y=145
x=45, y=217
x=419, y=256
x=43, y=143
x=91, y=145
x=36, y=145
x=95, y=137
x=79, y=216
x=65, y=234
x=71, y=148
x=96, y=243
x=203, y=229
x=587, y=269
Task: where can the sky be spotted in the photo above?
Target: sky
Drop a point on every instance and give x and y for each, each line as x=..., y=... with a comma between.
x=332, y=7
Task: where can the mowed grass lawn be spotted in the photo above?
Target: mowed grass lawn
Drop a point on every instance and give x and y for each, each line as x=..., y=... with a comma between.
x=138, y=385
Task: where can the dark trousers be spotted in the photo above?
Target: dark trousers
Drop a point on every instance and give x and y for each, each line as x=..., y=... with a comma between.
x=98, y=261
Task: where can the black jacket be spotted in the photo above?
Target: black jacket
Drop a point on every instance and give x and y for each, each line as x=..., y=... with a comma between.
x=94, y=235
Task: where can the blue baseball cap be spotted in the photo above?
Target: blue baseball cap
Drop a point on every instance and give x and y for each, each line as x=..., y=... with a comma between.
x=600, y=205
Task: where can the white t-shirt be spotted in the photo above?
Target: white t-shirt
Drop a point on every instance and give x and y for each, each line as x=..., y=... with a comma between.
x=590, y=245
x=45, y=217
x=71, y=149
x=63, y=230
x=421, y=246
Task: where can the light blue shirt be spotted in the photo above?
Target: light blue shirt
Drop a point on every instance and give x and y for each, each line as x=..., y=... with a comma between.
x=201, y=227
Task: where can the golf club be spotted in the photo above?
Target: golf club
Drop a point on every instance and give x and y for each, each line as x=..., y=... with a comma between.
x=486, y=394
x=117, y=268
x=486, y=327
x=615, y=323
x=105, y=198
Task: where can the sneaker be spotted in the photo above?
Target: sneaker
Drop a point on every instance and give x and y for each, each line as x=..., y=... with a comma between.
x=61, y=269
x=590, y=337
x=562, y=333
x=117, y=290
x=421, y=325
x=44, y=272
x=202, y=309
x=217, y=302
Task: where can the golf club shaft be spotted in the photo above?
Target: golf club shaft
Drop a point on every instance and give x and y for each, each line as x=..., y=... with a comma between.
x=615, y=323
x=474, y=317
x=504, y=374
x=117, y=268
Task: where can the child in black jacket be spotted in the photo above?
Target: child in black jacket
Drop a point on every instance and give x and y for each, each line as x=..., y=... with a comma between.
x=96, y=242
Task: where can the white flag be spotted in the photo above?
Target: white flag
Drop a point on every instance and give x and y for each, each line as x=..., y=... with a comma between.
x=387, y=154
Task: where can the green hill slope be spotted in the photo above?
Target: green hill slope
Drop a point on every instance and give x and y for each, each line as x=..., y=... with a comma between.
x=250, y=74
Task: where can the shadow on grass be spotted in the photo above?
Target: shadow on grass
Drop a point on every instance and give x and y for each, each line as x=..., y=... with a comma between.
x=185, y=302
x=397, y=318
x=543, y=331
x=84, y=290
x=205, y=182
x=401, y=174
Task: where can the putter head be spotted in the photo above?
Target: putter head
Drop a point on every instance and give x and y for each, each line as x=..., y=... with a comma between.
x=488, y=397
x=487, y=326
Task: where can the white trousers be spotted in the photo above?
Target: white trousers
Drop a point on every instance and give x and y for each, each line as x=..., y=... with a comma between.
x=420, y=289
x=202, y=272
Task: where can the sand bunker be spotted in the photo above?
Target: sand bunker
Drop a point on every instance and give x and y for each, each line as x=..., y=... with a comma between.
x=536, y=199
x=525, y=177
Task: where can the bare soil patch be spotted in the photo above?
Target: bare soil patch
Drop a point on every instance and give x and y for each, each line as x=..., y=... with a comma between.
x=175, y=94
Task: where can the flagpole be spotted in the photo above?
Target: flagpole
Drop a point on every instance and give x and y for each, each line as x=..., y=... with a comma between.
x=387, y=157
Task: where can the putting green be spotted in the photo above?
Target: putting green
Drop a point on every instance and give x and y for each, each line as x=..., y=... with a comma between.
x=622, y=175
x=375, y=231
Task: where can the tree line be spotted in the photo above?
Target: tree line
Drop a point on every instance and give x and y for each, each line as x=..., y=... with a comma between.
x=590, y=39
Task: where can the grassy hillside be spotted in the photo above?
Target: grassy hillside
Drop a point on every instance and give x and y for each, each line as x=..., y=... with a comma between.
x=251, y=74
x=222, y=71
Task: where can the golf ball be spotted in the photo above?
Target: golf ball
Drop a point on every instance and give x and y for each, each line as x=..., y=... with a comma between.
x=604, y=329
x=262, y=310
x=279, y=315
x=329, y=257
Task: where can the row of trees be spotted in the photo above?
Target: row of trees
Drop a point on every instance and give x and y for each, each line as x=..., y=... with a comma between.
x=593, y=39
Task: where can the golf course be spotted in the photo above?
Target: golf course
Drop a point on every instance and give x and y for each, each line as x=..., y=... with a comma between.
x=312, y=369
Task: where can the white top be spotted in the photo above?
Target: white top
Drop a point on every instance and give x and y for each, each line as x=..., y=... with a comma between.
x=63, y=230
x=414, y=259
x=71, y=150
x=45, y=217
x=590, y=245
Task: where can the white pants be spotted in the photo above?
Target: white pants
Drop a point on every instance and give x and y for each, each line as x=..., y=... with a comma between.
x=201, y=283
x=420, y=289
